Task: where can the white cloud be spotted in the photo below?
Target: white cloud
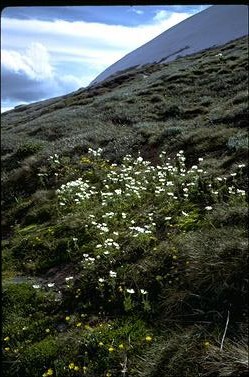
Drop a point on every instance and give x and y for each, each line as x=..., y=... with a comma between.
x=34, y=62
x=29, y=75
x=3, y=108
x=161, y=15
x=96, y=44
x=65, y=55
x=137, y=11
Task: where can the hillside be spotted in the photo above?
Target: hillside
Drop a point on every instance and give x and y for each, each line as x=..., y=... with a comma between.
x=124, y=224
x=192, y=35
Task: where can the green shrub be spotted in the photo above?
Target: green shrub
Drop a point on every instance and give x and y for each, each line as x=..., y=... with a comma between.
x=41, y=355
x=27, y=149
x=156, y=98
x=171, y=131
x=238, y=142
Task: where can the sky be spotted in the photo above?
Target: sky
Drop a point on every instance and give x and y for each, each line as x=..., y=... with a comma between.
x=51, y=51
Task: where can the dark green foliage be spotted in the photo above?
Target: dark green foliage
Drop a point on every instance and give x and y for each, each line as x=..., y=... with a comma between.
x=27, y=149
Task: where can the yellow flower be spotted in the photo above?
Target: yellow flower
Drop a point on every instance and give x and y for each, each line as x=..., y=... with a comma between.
x=50, y=372
x=78, y=324
x=121, y=346
x=84, y=370
x=111, y=349
x=108, y=374
x=67, y=318
x=71, y=366
x=76, y=368
x=7, y=339
x=206, y=344
x=7, y=349
x=47, y=330
x=148, y=338
x=101, y=344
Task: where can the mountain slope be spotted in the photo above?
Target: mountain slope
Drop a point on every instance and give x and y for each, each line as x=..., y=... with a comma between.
x=212, y=27
x=130, y=260
x=183, y=104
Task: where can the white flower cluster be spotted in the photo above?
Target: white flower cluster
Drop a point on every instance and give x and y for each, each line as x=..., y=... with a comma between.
x=138, y=230
x=134, y=180
x=109, y=244
x=54, y=159
x=75, y=191
x=131, y=291
x=95, y=153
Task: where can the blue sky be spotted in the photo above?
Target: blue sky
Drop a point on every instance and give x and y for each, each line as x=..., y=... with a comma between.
x=51, y=51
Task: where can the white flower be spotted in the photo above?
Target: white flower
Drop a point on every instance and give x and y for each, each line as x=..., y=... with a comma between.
x=185, y=214
x=241, y=166
x=50, y=285
x=200, y=159
x=143, y=291
x=113, y=274
x=208, y=208
x=242, y=192
x=98, y=246
x=130, y=291
x=104, y=229
x=168, y=218
x=85, y=255
x=75, y=239
x=36, y=286
x=69, y=278
x=233, y=174
x=101, y=280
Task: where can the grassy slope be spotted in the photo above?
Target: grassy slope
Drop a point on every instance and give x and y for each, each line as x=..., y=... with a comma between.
x=193, y=270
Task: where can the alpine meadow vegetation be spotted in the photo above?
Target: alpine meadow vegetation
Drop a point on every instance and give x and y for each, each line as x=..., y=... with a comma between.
x=145, y=251
x=124, y=226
